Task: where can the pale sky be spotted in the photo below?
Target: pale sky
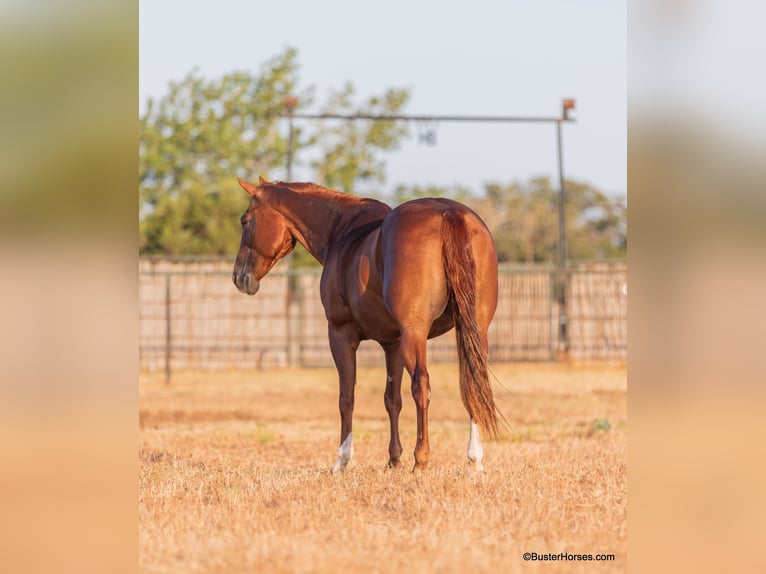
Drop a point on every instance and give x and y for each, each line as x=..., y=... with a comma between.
x=511, y=58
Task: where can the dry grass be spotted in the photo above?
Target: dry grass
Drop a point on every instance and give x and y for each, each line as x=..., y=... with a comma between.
x=234, y=475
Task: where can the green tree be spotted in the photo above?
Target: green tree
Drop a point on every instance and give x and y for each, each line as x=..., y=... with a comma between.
x=211, y=131
x=524, y=221
x=350, y=150
x=195, y=141
x=599, y=223
x=196, y=222
x=204, y=133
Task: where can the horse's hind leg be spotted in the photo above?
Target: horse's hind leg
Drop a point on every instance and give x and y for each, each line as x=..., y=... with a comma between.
x=475, y=451
x=393, y=400
x=343, y=344
x=413, y=349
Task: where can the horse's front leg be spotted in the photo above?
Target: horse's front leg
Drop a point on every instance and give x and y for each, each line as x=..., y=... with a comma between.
x=393, y=400
x=344, y=341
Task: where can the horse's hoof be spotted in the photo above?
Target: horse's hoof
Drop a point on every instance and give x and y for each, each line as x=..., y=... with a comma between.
x=394, y=463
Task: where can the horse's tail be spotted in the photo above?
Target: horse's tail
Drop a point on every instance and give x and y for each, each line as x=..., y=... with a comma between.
x=460, y=269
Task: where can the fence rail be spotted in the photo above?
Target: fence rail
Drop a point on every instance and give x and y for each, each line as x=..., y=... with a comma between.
x=192, y=317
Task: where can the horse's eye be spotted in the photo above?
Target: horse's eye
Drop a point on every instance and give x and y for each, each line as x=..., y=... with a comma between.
x=243, y=221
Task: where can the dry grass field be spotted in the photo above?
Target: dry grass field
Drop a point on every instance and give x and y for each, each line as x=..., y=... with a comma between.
x=234, y=475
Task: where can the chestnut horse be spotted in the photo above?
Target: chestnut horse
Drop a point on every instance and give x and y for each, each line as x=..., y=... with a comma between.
x=398, y=277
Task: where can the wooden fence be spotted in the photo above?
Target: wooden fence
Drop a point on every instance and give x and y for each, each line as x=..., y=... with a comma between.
x=192, y=317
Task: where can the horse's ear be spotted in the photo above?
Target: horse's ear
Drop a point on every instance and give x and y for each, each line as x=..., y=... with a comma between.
x=262, y=181
x=249, y=187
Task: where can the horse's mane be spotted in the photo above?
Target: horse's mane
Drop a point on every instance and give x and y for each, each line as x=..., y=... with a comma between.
x=297, y=186
x=314, y=189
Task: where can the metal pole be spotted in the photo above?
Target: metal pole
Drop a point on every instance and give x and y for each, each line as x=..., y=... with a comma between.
x=168, y=336
x=293, y=294
x=290, y=144
x=427, y=118
x=290, y=103
x=563, y=250
x=563, y=256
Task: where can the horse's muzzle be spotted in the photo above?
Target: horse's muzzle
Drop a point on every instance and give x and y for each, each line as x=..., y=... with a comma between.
x=245, y=284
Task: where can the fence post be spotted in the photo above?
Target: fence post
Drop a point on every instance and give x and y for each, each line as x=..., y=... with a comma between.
x=562, y=296
x=552, y=338
x=293, y=318
x=168, y=333
x=301, y=321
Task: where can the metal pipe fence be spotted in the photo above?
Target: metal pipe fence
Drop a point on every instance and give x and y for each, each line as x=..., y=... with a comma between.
x=191, y=317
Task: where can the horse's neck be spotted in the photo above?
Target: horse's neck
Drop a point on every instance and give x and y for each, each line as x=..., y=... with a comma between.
x=314, y=218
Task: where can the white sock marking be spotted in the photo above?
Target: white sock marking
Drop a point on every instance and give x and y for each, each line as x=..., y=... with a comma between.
x=475, y=451
x=345, y=452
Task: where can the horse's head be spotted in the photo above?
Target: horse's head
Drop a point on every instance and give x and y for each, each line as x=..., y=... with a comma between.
x=266, y=238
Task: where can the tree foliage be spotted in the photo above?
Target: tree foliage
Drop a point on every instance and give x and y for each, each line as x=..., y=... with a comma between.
x=193, y=144
x=196, y=222
x=204, y=133
x=210, y=131
x=350, y=150
x=524, y=221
